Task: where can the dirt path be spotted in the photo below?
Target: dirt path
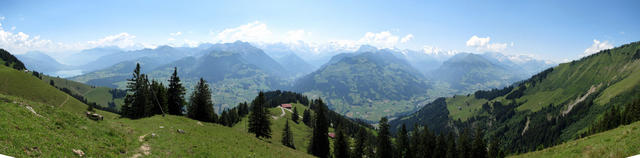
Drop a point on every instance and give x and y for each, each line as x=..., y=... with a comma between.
x=281, y=115
x=64, y=102
x=145, y=149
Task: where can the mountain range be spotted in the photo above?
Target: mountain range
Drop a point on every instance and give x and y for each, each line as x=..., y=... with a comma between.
x=389, y=81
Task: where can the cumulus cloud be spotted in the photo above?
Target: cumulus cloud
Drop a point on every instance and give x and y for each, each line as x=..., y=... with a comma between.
x=596, y=47
x=483, y=44
x=251, y=32
x=21, y=42
x=406, y=38
x=122, y=40
x=296, y=35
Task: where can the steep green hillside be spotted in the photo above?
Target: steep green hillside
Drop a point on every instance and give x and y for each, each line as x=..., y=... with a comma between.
x=554, y=106
x=366, y=85
x=50, y=132
x=620, y=142
x=24, y=85
x=102, y=96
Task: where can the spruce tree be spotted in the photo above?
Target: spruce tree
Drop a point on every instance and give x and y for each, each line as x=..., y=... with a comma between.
x=259, y=122
x=137, y=98
x=295, y=115
x=175, y=94
x=224, y=118
x=440, y=149
x=464, y=144
x=402, y=143
x=452, y=151
x=479, y=149
x=320, y=141
x=361, y=138
x=158, y=100
x=416, y=142
x=341, y=145
x=494, y=149
x=306, y=117
x=201, y=105
x=428, y=142
x=384, y=148
x=287, y=136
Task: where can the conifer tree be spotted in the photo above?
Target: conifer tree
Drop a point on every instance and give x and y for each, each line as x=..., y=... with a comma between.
x=341, y=145
x=428, y=142
x=224, y=118
x=158, y=103
x=384, y=148
x=175, y=94
x=361, y=138
x=306, y=117
x=464, y=146
x=402, y=143
x=494, y=149
x=416, y=142
x=452, y=151
x=201, y=105
x=259, y=122
x=479, y=149
x=137, y=97
x=295, y=115
x=287, y=136
x=320, y=140
x=440, y=149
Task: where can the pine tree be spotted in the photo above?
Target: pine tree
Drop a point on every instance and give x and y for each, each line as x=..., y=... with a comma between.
x=464, y=146
x=440, y=149
x=175, y=94
x=224, y=118
x=452, y=151
x=416, y=142
x=402, y=143
x=341, y=145
x=138, y=97
x=428, y=142
x=479, y=149
x=361, y=138
x=158, y=104
x=295, y=115
x=287, y=136
x=384, y=148
x=201, y=105
x=320, y=140
x=306, y=117
x=494, y=149
x=259, y=122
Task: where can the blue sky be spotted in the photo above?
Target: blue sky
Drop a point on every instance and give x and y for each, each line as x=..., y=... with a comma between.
x=553, y=30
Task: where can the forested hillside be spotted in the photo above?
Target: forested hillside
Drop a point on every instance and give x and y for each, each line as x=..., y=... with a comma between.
x=557, y=105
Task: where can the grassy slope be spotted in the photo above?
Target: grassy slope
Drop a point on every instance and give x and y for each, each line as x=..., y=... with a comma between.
x=60, y=130
x=99, y=95
x=620, y=142
x=24, y=85
x=566, y=83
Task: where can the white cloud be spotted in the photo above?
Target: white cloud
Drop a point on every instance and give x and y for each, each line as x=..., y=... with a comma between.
x=406, y=38
x=251, y=32
x=596, y=47
x=122, y=40
x=171, y=39
x=483, y=44
x=1, y=18
x=176, y=34
x=437, y=51
x=383, y=39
